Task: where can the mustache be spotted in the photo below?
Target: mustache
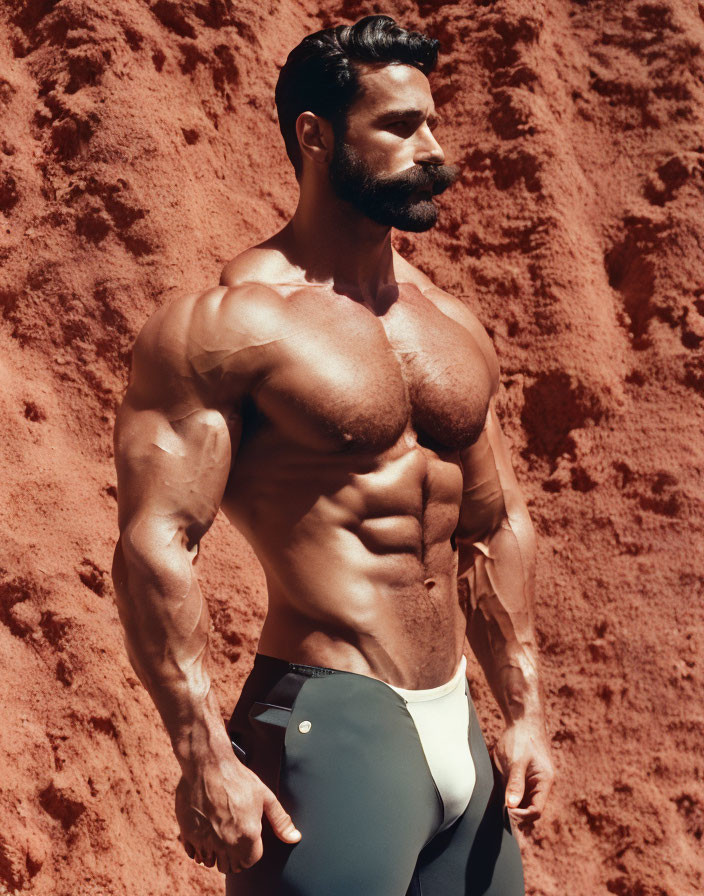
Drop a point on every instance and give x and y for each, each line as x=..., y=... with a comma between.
x=436, y=178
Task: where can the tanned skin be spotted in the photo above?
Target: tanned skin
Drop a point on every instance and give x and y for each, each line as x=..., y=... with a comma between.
x=340, y=409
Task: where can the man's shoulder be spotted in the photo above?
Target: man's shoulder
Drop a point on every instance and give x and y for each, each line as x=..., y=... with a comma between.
x=230, y=316
x=197, y=337
x=456, y=309
x=264, y=264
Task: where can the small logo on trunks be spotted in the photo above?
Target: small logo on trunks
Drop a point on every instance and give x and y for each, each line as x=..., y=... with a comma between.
x=304, y=727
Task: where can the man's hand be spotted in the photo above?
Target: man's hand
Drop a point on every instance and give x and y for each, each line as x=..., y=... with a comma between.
x=220, y=812
x=523, y=756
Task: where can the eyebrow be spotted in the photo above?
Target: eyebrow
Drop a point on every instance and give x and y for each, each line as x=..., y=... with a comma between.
x=413, y=113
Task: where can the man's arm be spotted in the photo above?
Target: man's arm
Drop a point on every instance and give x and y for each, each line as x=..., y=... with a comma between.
x=175, y=438
x=496, y=576
x=173, y=456
x=496, y=573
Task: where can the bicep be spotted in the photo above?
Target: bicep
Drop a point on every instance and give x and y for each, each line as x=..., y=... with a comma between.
x=490, y=491
x=172, y=467
x=172, y=451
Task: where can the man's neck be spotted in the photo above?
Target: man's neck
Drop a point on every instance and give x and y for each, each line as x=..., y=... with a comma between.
x=333, y=242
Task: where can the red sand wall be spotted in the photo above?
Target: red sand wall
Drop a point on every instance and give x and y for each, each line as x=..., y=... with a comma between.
x=139, y=152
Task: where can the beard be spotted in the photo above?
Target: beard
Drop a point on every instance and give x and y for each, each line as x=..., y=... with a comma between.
x=393, y=200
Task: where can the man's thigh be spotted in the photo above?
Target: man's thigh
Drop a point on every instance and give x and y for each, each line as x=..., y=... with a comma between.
x=478, y=855
x=345, y=761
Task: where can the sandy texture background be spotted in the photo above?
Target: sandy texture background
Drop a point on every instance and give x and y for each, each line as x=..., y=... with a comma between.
x=139, y=151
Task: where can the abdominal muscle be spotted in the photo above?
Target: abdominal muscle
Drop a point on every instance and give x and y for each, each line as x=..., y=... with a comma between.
x=356, y=549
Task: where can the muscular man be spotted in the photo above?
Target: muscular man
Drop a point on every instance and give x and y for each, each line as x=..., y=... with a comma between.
x=339, y=407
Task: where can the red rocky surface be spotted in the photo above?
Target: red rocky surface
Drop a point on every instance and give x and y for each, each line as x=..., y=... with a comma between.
x=139, y=152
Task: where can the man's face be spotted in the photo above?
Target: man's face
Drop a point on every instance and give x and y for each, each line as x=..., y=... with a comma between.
x=389, y=165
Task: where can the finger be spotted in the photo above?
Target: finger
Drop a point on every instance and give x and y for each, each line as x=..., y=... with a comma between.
x=248, y=850
x=521, y=816
x=516, y=785
x=536, y=793
x=280, y=820
x=223, y=862
x=254, y=854
x=530, y=809
x=233, y=858
x=540, y=798
x=542, y=790
x=524, y=811
x=190, y=851
x=208, y=859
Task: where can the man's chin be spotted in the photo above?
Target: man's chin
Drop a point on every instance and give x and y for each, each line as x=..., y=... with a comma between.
x=419, y=217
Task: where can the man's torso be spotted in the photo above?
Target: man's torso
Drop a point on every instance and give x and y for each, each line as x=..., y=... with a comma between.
x=347, y=479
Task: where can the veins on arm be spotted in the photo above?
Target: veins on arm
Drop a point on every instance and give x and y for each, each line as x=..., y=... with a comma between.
x=173, y=453
x=496, y=570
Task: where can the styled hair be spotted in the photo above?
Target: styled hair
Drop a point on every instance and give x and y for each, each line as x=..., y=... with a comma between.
x=321, y=76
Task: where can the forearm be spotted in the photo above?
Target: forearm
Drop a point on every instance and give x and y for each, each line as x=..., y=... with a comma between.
x=497, y=576
x=166, y=622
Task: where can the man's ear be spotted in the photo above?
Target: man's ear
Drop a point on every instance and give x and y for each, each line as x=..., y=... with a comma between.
x=315, y=137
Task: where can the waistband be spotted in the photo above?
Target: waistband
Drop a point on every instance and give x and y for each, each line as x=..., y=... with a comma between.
x=423, y=694
x=283, y=667
x=278, y=667
x=274, y=681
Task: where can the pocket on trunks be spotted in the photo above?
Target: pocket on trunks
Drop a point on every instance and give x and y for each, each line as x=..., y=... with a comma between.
x=265, y=745
x=269, y=714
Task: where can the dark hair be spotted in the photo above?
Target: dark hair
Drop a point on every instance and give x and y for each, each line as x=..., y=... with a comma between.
x=320, y=75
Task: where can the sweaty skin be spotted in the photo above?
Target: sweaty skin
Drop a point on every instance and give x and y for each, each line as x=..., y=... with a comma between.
x=340, y=409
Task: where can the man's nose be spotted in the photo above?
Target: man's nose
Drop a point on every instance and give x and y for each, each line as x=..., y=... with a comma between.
x=429, y=150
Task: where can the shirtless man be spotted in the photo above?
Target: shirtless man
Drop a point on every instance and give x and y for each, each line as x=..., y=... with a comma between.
x=339, y=408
